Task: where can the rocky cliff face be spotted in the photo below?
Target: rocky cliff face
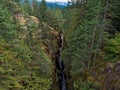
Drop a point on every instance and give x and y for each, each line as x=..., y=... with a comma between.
x=111, y=80
x=105, y=77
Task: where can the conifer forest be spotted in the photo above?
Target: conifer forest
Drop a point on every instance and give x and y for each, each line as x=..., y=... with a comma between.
x=51, y=46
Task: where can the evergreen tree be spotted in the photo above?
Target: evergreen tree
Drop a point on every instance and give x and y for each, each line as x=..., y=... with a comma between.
x=59, y=17
x=7, y=28
x=27, y=7
x=42, y=10
x=17, y=1
x=83, y=40
x=20, y=68
x=35, y=8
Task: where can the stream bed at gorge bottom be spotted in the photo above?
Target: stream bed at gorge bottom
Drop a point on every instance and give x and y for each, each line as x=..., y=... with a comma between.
x=59, y=65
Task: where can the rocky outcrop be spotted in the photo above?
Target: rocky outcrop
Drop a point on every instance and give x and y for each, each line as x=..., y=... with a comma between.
x=20, y=18
x=111, y=80
x=48, y=36
x=107, y=76
x=34, y=19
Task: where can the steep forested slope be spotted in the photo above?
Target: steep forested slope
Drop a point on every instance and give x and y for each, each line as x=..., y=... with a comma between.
x=92, y=44
x=23, y=61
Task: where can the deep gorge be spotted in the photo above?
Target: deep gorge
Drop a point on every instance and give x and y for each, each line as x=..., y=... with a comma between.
x=59, y=67
x=35, y=54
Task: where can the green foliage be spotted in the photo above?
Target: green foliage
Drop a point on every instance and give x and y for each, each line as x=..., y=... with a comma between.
x=17, y=1
x=83, y=36
x=42, y=10
x=58, y=14
x=35, y=9
x=86, y=33
x=26, y=7
x=85, y=85
x=23, y=63
x=19, y=72
x=22, y=67
x=114, y=17
x=7, y=28
x=112, y=49
x=72, y=18
x=55, y=19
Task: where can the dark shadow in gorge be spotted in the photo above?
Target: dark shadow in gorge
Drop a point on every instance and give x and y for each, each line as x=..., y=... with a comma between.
x=60, y=65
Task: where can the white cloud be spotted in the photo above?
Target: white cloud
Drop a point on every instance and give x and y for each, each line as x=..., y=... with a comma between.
x=55, y=0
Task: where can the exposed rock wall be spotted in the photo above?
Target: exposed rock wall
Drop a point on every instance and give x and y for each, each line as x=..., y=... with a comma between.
x=111, y=80
x=107, y=76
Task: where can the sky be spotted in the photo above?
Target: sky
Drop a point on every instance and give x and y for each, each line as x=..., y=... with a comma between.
x=55, y=0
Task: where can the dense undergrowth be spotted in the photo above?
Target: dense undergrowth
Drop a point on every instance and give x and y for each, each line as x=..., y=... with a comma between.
x=21, y=62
